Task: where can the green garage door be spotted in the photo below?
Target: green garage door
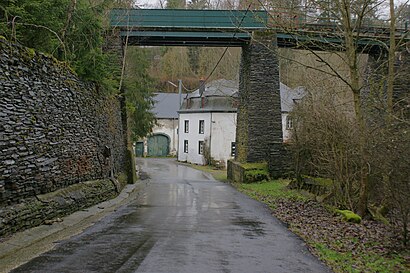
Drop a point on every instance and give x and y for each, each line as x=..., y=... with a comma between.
x=158, y=145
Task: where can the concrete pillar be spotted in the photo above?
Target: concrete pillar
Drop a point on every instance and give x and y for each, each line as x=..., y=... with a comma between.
x=259, y=126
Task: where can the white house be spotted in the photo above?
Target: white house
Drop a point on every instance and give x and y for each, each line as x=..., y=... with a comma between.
x=288, y=98
x=163, y=140
x=207, y=121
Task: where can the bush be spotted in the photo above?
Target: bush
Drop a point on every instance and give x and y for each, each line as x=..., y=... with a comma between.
x=252, y=176
x=255, y=172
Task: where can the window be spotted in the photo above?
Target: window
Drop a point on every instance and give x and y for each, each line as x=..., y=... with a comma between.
x=201, y=147
x=233, y=148
x=289, y=123
x=201, y=126
x=186, y=126
x=185, y=146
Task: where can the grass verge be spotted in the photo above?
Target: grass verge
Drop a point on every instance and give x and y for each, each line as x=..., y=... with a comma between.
x=218, y=174
x=344, y=247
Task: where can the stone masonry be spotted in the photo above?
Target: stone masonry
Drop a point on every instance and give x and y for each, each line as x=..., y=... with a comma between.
x=55, y=131
x=259, y=127
x=374, y=95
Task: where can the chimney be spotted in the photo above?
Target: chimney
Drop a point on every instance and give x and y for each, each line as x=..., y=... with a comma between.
x=201, y=86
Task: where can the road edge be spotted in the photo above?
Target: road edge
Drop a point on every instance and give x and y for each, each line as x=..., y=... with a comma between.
x=23, y=246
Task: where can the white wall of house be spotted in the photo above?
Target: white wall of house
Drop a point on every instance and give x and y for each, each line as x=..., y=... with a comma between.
x=223, y=133
x=193, y=136
x=169, y=127
x=286, y=128
x=219, y=133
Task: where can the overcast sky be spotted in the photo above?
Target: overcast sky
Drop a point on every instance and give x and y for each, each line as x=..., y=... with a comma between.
x=150, y=4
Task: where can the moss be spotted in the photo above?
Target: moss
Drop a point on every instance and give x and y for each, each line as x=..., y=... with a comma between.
x=255, y=172
x=123, y=179
x=31, y=53
x=70, y=83
x=66, y=65
x=255, y=166
x=51, y=57
x=255, y=176
x=349, y=216
x=377, y=214
x=320, y=181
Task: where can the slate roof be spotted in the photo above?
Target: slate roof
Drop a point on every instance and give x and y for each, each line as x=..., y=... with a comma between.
x=166, y=105
x=218, y=88
x=220, y=96
x=289, y=96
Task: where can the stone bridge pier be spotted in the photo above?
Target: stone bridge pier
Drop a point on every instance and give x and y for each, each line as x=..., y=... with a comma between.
x=374, y=95
x=259, y=122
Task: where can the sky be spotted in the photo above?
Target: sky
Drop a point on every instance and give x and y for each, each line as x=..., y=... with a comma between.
x=151, y=4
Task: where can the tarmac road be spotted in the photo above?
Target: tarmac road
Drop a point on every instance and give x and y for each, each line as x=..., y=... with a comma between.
x=184, y=221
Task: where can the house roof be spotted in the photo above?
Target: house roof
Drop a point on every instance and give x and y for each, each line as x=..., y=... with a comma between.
x=220, y=96
x=289, y=96
x=166, y=105
x=218, y=88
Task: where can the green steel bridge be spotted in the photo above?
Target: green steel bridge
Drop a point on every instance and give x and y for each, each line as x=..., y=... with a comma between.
x=178, y=27
x=259, y=123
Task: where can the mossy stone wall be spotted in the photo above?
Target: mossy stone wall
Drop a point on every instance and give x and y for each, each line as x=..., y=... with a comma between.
x=49, y=207
x=55, y=130
x=247, y=172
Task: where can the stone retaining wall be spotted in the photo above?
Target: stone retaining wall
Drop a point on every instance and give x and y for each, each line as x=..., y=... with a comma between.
x=55, y=130
x=47, y=208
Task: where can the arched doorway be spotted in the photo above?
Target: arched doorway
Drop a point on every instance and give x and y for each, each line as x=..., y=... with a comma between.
x=158, y=145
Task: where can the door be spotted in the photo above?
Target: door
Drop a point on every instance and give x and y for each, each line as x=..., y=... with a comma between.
x=158, y=145
x=139, y=149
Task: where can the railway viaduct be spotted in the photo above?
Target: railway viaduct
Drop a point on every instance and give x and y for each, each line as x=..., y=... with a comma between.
x=259, y=128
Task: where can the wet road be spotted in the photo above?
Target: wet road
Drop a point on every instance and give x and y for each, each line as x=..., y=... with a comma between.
x=183, y=222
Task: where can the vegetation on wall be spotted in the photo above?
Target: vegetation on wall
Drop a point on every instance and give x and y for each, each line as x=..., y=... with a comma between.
x=70, y=30
x=74, y=31
x=138, y=86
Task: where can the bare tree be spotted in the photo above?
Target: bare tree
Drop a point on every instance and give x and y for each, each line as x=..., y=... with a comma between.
x=346, y=21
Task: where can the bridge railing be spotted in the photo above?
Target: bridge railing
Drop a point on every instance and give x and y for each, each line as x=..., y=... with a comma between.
x=188, y=19
x=302, y=18
x=232, y=20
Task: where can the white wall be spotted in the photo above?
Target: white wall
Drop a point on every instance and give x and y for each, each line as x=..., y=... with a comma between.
x=285, y=132
x=167, y=127
x=193, y=136
x=219, y=134
x=223, y=133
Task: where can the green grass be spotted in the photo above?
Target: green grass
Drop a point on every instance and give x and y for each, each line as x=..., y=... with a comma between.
x=359, y=261
x=268, y=192
x=255, y=166
x=365, y=262
x=219, y=175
